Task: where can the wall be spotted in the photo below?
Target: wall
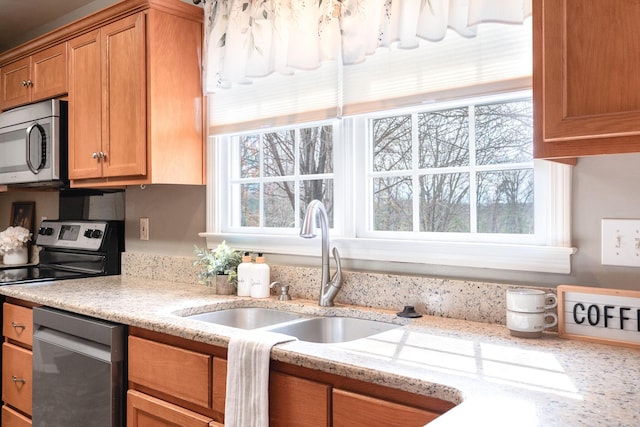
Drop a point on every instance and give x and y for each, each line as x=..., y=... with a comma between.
x=46, y=205
x=176, y=215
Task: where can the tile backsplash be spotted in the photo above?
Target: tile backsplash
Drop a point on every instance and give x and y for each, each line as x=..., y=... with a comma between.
x=458, y=299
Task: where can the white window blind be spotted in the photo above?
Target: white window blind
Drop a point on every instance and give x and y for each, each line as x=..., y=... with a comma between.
x=497, y=59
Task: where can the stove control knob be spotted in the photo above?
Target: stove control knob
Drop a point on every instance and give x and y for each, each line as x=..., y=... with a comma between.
x=96, y=234
x=47, y=231
x=41, y=231
x=87, y=233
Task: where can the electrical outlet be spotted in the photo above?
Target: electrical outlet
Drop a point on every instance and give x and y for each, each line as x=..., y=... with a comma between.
x=621, y=242
x=144, y=228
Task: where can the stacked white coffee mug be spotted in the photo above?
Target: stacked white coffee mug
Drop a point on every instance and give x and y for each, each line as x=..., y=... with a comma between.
x=527, y=312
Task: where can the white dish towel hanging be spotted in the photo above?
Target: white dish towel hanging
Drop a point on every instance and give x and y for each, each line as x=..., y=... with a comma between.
x=247, y=399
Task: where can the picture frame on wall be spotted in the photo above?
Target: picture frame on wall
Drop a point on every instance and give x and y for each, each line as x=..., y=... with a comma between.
x=23, y=214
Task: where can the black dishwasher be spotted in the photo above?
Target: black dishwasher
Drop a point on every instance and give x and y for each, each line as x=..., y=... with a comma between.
x=78, y=370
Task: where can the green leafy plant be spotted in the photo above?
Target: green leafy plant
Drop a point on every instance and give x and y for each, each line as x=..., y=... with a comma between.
x=222, y=260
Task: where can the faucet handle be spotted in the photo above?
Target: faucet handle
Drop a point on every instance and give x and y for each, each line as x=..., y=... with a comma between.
x=284, y=291
x=336, y=280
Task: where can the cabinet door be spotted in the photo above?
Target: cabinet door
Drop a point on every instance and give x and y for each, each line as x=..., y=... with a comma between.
x=15, y=90
x=297, y=402
x=586, y=77
x=49, y=73
x=16, y=377
x=124, y=111
x=147, y=411
x=174, y=371
x=356, y=410
x=293, y=401
x=85, y=106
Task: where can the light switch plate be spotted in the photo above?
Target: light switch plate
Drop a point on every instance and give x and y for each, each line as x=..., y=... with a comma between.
x=621, y=242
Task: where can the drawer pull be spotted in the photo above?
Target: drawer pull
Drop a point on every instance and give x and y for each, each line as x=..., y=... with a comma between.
x=18, y=380
x=18, y=326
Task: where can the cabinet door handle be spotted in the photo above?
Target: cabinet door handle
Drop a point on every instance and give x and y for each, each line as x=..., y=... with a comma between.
x=27, y=83
x=18, y=380
x=18, y=326
x=98, y=155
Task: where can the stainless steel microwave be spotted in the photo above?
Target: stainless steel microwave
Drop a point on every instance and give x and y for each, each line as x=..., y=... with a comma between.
x=33, y=144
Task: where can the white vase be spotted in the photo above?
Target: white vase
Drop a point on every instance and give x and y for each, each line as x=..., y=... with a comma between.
x=16, y=257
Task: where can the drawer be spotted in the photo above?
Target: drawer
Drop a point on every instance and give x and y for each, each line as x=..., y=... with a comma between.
x=356, y=410
x=18, y=323
x=11, y=418
x=144, y=410
x=177, y=372
x=16, y=377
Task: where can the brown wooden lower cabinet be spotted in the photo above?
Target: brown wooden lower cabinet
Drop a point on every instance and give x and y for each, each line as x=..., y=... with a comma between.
x=11, y=418
x=147, y=411
x=357, y=410
x=293, y=401
x=299, y=397
x=16, y=377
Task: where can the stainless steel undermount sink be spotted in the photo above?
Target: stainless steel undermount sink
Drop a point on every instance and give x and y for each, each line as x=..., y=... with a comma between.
x=324, y=330
x=246, y=317
x=333, y=329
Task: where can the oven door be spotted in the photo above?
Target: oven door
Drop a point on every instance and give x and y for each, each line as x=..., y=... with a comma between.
x=29, y=144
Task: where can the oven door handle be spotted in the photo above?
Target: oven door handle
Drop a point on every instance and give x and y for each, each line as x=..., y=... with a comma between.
x=43, y=148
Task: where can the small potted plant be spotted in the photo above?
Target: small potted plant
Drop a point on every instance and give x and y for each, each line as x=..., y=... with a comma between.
x=14, y=245
x=219, y=266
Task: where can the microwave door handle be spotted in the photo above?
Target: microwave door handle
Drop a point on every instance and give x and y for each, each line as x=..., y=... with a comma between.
x=43, y=147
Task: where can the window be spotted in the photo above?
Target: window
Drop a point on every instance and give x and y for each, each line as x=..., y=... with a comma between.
x=274, y=174
x=466, y=169
x=451, y=183
x=421, y=156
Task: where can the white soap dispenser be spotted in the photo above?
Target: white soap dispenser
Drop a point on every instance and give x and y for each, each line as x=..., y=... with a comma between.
x=245, y=280
x=261, y=275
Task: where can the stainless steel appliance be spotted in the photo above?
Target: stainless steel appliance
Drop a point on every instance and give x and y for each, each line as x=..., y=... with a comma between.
x=72, y=249
x=33, y=144
x=78, y=370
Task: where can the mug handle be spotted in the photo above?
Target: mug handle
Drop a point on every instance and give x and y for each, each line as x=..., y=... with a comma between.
x=553, y=323
x=553, y=299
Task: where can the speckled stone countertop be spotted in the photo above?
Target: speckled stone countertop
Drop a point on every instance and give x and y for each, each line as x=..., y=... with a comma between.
x=498, y=380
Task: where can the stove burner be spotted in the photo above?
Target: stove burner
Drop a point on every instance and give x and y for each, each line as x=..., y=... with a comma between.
x=13, y=276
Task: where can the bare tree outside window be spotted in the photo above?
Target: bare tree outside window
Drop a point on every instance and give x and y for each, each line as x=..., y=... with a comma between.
x=478, y=154
x=281, y=169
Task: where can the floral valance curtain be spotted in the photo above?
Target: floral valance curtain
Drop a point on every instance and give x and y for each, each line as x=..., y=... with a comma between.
x=246, y=39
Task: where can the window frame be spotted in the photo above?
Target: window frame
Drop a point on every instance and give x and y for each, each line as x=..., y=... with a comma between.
x=548, y=250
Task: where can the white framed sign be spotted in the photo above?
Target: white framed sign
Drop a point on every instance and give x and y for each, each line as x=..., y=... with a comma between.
x=606, y=316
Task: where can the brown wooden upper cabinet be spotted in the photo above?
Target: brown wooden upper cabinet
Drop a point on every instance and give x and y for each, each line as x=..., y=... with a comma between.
x=586, y=77
x=39, y=76
x=135, y=101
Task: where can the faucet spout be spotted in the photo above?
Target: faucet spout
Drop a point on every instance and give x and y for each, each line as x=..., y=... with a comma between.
x=315, y=216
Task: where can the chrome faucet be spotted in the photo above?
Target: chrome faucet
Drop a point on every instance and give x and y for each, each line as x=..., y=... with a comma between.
x=315, y=216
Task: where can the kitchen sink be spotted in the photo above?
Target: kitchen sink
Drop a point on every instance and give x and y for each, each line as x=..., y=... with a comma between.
x=333, y=329
x=246, y=317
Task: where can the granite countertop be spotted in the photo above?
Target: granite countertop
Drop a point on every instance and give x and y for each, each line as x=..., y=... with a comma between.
x=499, y=380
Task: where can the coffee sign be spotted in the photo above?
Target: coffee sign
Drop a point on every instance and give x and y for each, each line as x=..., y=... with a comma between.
x=607, y=316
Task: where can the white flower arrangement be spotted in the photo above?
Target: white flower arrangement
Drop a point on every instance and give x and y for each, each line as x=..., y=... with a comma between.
x=13, y=238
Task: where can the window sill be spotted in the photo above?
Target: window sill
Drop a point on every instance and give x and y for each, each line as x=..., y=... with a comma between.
x=543, y=259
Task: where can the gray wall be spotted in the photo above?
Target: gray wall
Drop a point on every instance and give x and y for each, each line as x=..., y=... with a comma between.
x=176, y=215
x=46, y=205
